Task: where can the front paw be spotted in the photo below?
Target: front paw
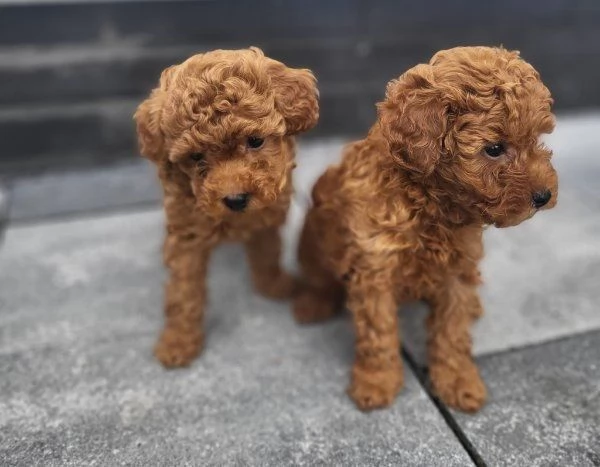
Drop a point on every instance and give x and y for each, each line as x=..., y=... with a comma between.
x=459, y=387
x=277, y=287
x=177, y=348
x=371, y=389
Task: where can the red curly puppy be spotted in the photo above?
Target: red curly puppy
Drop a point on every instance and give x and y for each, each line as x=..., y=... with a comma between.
x=220, y=127
x=455, y=147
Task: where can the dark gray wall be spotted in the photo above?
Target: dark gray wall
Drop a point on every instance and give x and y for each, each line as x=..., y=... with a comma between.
x=72, y=73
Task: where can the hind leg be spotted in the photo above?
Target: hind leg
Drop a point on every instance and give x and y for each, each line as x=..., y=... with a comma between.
x=321, y=295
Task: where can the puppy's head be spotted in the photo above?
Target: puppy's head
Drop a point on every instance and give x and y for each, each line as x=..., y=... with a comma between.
x=469, y=123
x=222, y=122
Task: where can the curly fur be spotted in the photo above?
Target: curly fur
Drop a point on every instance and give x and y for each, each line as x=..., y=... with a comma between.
x=401, y=217
x=210, y=105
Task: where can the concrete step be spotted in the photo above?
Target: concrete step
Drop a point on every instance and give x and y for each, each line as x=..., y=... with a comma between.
x=170, y=22
x=73, y=71
x=167, y=22
x=58, y=137
x=79, y=51
x=35, y=138
x=82, y=72
x=565, y=56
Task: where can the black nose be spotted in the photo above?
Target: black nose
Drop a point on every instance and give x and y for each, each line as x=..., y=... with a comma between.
x=237, y=202
x=541, y=198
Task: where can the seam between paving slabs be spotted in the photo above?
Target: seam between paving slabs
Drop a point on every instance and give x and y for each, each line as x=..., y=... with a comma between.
x=421, y=375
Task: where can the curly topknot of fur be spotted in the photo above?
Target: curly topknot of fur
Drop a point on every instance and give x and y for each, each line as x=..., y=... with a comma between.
x=213, y=96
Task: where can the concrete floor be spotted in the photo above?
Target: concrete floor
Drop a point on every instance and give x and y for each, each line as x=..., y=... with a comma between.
x=80, y=306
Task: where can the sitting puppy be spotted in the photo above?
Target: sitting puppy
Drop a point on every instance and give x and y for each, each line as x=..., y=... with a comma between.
x=456, y=147
x=220, y=127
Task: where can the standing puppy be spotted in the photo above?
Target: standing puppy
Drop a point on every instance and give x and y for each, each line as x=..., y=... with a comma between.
x=455, y=147
x=220, y=128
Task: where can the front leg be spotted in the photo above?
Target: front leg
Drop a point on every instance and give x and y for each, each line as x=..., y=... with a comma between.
x=453, y=373
x=263, y=249
x=182, y=338
x=377, y=372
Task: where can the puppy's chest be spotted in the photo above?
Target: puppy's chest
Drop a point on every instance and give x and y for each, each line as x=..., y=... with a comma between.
x=427, y=261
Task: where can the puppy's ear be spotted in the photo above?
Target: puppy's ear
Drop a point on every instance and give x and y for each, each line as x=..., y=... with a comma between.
x=296, y=96
x=148, y=118
x=413, y=119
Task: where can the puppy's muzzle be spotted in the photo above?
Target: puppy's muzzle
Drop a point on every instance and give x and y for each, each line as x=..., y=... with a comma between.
x=237, y=202
x=541, y=198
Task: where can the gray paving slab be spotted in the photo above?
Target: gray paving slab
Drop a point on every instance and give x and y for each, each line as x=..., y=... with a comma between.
x=544, y=408
x=80, y=305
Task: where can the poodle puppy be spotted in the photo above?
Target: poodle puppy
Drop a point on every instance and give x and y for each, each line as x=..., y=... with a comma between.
x=220, y=128
x=456, y=147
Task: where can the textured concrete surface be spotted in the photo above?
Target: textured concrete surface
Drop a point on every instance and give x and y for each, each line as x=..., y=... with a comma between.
x=80, y=306
x=540, y=277
x=544, y=406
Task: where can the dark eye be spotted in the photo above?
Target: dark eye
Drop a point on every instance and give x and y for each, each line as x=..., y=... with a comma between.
x=197, y=156
x=254, y=142
x=495, y=150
